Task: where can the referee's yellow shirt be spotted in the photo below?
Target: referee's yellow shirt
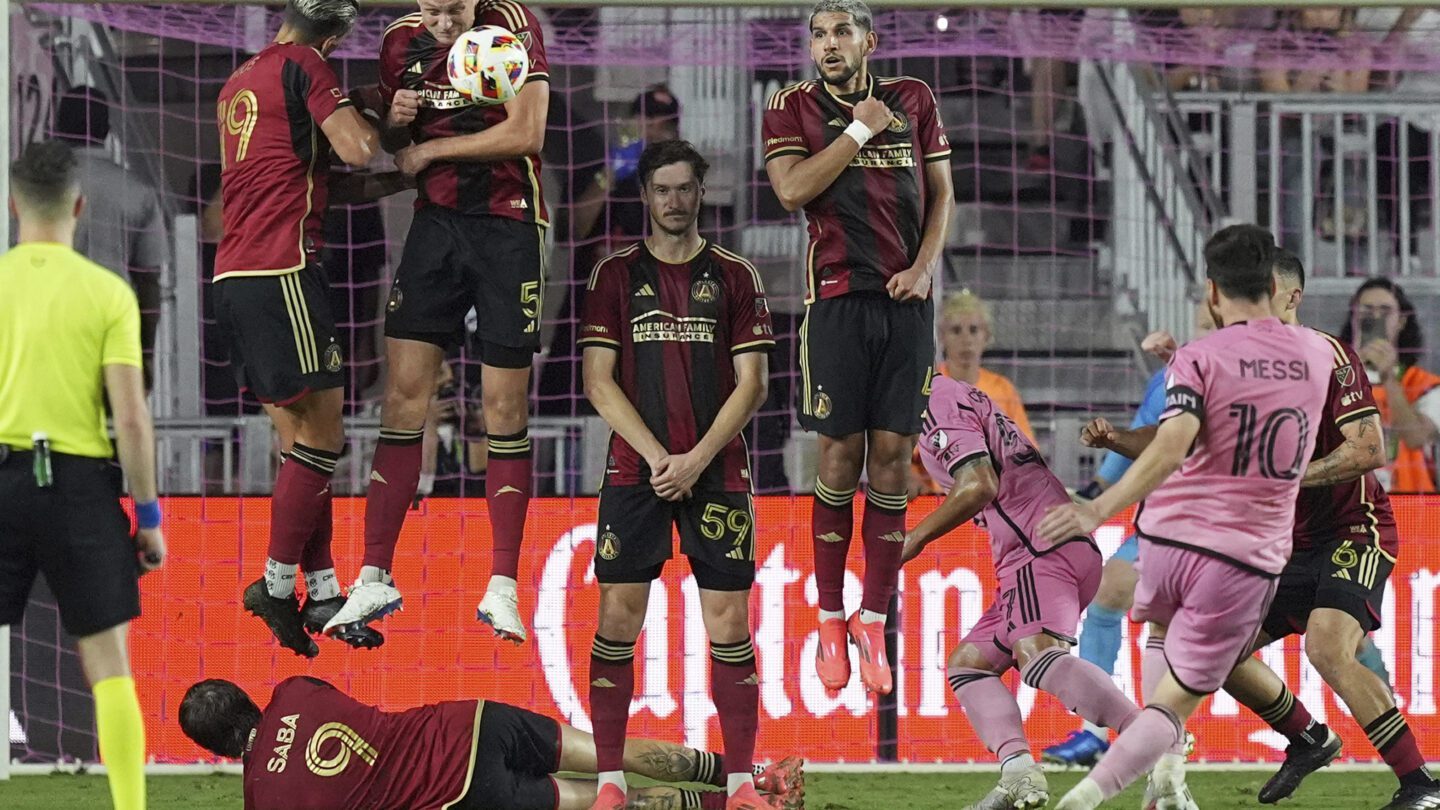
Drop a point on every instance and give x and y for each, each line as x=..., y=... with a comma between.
x=62, y=319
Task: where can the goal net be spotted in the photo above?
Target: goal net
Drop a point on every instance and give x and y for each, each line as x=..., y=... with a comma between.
x=1094, y=151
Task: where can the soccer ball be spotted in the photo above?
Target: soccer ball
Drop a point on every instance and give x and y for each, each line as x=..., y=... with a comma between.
x=488, y=65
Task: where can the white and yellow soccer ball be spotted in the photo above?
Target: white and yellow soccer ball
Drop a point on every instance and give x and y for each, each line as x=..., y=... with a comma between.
x=488, y=65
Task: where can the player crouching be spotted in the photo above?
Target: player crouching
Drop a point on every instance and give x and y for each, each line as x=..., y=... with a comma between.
x=316, y=747
x=994, y=474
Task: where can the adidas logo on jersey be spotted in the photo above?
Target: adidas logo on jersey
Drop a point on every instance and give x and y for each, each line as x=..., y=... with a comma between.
x=418, y=67
x=840, y=123
x=737, y=553
x=645, y=290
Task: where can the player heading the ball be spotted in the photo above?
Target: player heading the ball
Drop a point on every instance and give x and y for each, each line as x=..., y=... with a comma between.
x=867, y=159
x=675, y=334
x=477, y=241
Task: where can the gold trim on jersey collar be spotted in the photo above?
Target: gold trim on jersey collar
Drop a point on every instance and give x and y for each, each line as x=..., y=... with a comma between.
x=869, y=90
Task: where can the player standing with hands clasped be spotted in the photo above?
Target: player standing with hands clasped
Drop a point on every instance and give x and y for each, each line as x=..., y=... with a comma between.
x=1219, y=479
x=868, y=161
x=675, y=335
x=477, y=240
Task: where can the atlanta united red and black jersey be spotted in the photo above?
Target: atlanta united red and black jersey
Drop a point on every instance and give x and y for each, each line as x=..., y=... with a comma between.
x=317, y=748
x=275, y=160
x=867, y=226
x=1357, y=510
x=411, y=59
x=676, y=327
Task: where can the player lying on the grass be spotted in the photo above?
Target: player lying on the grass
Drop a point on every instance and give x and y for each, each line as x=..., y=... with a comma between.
x=1332, y=589
x=1219, y=482
x=995, y=475
x=314, y=747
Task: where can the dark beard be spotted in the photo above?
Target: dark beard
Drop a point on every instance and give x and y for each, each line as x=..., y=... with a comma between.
x=849, y=74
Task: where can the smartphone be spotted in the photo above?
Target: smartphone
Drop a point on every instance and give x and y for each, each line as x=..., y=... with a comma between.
x=1371, y=327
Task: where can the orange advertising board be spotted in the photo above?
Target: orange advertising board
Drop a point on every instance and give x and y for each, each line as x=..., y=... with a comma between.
x=193, y=628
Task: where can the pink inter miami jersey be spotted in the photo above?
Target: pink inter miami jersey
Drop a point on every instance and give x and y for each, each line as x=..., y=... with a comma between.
x=1259, y=389
x=960, y=425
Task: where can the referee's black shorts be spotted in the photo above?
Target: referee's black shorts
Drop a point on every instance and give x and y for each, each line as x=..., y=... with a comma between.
x=75, y=533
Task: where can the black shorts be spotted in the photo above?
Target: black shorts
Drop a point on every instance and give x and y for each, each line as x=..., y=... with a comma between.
x=75, y=533
x=455, y=261
x=281, y=334
x=515, y=755
x=717, y=533
x=1341, y=575
x=865, y=364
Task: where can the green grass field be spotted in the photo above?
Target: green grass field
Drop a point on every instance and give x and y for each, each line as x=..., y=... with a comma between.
x=1214, y=790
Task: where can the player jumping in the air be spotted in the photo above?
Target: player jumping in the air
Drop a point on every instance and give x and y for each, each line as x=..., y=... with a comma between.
x=867, y=159
x=280, y=115
x=1345, y=544
x=675, y=335
x=477, y=240
x=1243, y=406
x=314, y=747
x=991, y=470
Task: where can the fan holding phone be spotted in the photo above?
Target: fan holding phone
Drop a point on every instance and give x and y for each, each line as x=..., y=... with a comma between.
x=1383, y=328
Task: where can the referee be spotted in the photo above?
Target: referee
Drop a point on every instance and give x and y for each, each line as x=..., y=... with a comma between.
x=70, y=337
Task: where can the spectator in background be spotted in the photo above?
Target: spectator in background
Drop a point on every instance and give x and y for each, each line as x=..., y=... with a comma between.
x=607, y=215
x=1383, y=329
x=965, y=333
x=1339, y=220
x=123, y=225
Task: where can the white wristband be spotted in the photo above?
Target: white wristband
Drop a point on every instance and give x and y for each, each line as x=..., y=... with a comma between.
x=859, y=132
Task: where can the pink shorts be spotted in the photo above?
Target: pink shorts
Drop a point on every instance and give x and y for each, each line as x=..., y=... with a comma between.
x=1044, y=595
x=1211, y=609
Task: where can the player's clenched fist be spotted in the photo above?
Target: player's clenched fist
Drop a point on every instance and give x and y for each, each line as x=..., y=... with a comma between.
x=403, y=108
x=1099, y=433
x=873, y=113
x=1161, y=344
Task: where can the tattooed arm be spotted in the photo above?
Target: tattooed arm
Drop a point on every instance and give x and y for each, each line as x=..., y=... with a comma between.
x=1363, y=451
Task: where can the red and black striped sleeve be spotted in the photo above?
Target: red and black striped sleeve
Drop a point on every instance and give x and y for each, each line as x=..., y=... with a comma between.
x=748, y=310
x=782, y=129
x=603, y=320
